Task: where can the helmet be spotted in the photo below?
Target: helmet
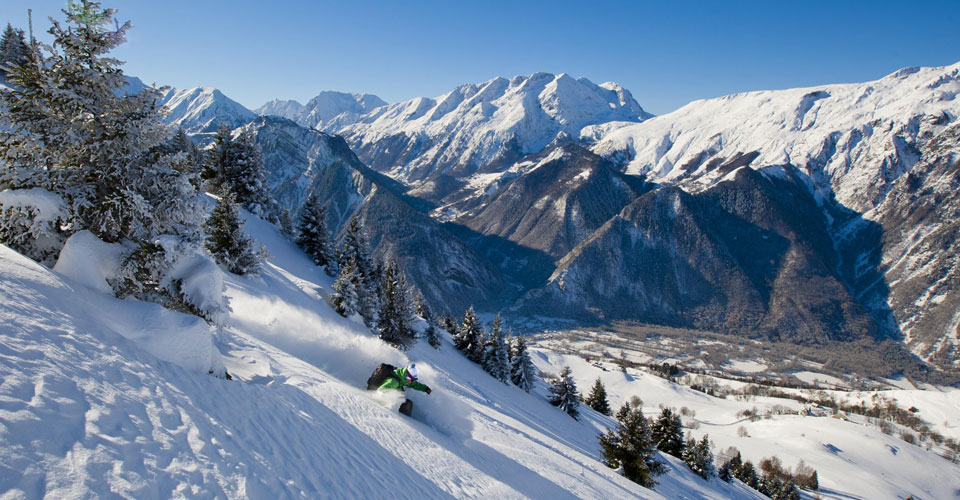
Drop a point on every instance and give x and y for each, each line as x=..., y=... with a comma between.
x=412, y=372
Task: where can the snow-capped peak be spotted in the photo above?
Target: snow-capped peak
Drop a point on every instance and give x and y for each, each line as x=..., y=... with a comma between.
x=202, y=109
x=327, y=111
x=475, y=124
x=824, y=130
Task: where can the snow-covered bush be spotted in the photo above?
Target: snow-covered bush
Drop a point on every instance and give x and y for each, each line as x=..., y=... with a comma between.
x=175, y=275
x=30, y=222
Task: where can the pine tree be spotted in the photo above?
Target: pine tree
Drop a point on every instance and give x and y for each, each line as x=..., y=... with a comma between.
x=68, y=127
x=235, y=165
x=396, y=311
x=14, y=50
x=598, y=398
x=699, y=458
x=226, y=241
x=368, y=286
x=748, y=475
x=732, y=468
x=630, y=447
x=564, y=395
x=191, y=163
x=433, y=332
x=345, y=293
x=724, y=473
x=522, y=371
x=477, y=351
x=314, y=238
x=469, y=334
x=668, y=433
x=496, y=358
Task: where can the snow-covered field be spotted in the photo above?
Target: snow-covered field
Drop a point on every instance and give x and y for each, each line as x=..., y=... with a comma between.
x=852, y=459
x=99, y=398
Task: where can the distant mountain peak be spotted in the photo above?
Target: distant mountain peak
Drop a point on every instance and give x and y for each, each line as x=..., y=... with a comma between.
x=328, y=109
x=481, y=125
x=202, y=109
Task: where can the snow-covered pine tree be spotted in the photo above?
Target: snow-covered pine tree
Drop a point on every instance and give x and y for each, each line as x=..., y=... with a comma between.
x=236, y=165
x=368, y=285
x=496, y=356
x=286, y=225
x=396, y=311
x=747, y=473
x=630, y=447
x=14, y=50
x=468, y=332
x=668, y=433
x=598, y=398
x=218, y=155
x=249, y=179
x=477, y=352
x=313, y=237
x=68, y=127
x=522, y=371
x=345, y=294
x=433, y=333
x=226, y=241
x=699, y=458
x=182, y=143
x=564, y=395
x=724, y=473
x=731, y=468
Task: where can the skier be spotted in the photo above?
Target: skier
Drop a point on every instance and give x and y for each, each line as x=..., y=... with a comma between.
x=400, y=378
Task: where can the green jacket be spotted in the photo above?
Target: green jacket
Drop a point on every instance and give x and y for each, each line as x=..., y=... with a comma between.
x=399, y=381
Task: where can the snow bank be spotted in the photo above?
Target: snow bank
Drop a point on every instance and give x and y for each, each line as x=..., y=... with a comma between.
x=88, y=261
x=200, y=279
x=48, y=205
x=177, y=338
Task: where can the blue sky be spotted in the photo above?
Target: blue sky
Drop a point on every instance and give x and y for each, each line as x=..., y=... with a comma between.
x=665, y=53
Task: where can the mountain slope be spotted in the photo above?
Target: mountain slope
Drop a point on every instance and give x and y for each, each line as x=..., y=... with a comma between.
x=852, y=140
x=302, y=162
x=920, y=218
x=549, y=201
x=746, y=256
x=867, y=152
x=87, y=412
x=431, y=143
x=202, y=109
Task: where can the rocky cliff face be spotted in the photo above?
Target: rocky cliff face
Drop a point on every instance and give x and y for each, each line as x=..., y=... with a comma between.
x=302, y=162
x=750, y=255
x=919, y=251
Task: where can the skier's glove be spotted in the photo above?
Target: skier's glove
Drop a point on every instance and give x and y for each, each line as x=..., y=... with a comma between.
x=428, y=390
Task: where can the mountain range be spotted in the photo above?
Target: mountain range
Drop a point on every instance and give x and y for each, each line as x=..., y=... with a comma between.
x=810, y=215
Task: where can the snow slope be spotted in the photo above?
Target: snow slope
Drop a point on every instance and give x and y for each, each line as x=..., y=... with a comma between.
x=852, y=459
x=853, y=138
x=87, y=409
